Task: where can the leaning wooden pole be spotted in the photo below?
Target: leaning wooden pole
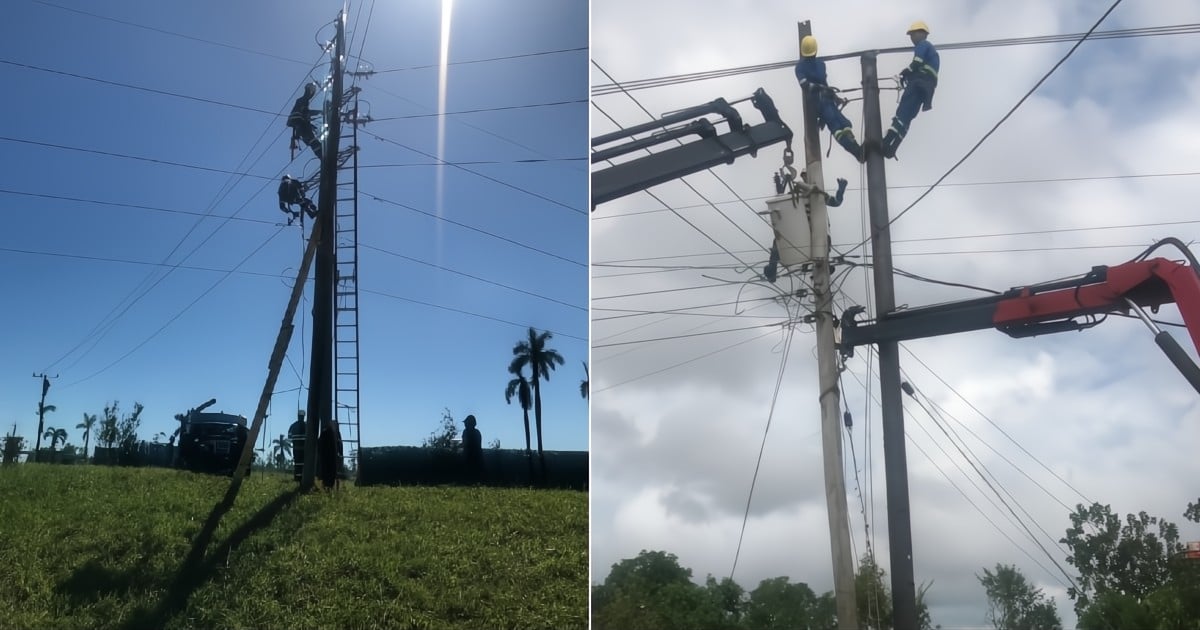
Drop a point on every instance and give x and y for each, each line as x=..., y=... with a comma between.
x=282, y=341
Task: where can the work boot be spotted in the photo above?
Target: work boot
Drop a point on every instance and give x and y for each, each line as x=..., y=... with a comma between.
x=891, y=142
x=851, y=145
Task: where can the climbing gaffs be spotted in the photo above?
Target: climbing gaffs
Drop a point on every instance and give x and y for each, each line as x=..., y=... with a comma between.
x=810, y=72
x=919, y=80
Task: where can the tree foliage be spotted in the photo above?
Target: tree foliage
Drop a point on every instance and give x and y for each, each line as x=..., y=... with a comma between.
x=1015, y=604
x=446, y=436
x=654, y=591
x=1132, y=574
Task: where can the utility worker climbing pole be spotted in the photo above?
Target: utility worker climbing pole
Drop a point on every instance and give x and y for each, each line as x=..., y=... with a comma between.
x=802, y=190
x=292, y=192
x=919, y=80
x=810, y=71
x=300, y=120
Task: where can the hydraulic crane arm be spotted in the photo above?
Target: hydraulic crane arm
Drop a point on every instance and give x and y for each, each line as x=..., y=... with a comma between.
x=1052, y=307
x=712, y=149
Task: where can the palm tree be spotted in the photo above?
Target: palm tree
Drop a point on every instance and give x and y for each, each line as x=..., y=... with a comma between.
x=89, y=421
x=55, y=436
x=281, y=447
x=541, y=360
x=519, y=386
x=43, y=409
x=583, y=385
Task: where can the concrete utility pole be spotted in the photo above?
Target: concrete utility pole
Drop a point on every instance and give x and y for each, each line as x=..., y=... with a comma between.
x=320, y=382
x=830, y=397
x=904, y=590
x=41, y=414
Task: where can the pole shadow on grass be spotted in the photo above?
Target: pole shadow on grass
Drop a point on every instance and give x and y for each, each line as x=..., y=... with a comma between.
x=196, y=569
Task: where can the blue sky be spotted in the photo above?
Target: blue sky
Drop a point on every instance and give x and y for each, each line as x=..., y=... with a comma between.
x=431, y=337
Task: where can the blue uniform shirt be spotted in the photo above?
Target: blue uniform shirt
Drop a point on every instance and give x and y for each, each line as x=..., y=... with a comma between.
x=925, y=58
x=811, y=70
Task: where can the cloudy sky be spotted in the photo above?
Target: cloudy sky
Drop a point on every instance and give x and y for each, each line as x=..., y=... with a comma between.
x=1097, y=165
x=136, y=129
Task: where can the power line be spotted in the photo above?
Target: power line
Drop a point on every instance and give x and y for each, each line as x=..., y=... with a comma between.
x=471, y=163
x=787, y=349
x=478, y=174
x=685, y=336
x=484, y=109
x=128, y=261
x=490, y=59
x=473, y=277
x=464, y=312
x=683, y=363
x=999, y=123
x=134, y=206
x=185, y=309
x=642, y=84
x=475, y=229
x=137, y=87
x=133, y=157
x=172, y=33
x=1003, y=182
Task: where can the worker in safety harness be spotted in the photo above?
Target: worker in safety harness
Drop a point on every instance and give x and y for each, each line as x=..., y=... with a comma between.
x=300, y=120
x=292, y=192
x=810, y=71
x=919, y=80
x=771, y=271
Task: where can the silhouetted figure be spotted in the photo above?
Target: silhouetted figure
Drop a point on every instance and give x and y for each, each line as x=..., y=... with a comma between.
x=472, y=442
x=296, y=434
x=300, y=120
x=292, y=192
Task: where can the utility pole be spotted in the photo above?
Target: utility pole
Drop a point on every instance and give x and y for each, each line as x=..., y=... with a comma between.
x=320, y=392
x=904, y=590
x=827, y=368
x=41, y=413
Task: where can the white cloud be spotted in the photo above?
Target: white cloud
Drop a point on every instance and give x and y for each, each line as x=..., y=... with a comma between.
x=674, y=452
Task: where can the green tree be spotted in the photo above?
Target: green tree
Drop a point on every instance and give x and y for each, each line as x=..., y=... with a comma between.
x=1132, y=575
x=519, y=387
x=1130, y=559
x=89, y=421
x=653, y=592
x=1015, y=604
x=281, y=449
x=778, y=604
x=873, y=598
x=108, y=425
x=584, y=384
x=541, y=361
x=42, y=410
x=55, y=436
x=127, y=428
x=444, y=438
x=728, y=598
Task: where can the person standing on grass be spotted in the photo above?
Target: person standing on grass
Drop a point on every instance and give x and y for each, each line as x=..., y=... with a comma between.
x=472, y=441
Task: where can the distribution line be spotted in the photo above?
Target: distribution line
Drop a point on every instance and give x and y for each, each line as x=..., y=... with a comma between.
x=688, y=335
x=490, y=59
x=172, y=33
x=998, y=124
x=483, y=109
x=464, y=312
x=1153, y=31
x=474, y=229
x=478, y=174
x=683, y=363
x=1001, y=182
x=787, y=348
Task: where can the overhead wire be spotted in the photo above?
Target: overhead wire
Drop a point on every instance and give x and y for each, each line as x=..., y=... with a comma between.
x=489, y=59
x=466, y=312
x=763, y=446
x=1002, y=120
x=1152, y=31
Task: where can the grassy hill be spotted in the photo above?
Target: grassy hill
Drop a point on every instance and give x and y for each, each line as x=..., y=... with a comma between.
x=99, y=547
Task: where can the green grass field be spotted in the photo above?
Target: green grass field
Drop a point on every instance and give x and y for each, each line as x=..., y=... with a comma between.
x=99, y=547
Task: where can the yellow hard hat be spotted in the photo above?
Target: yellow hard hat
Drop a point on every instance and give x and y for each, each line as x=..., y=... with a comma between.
x=917, y=26
x=808, y=46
